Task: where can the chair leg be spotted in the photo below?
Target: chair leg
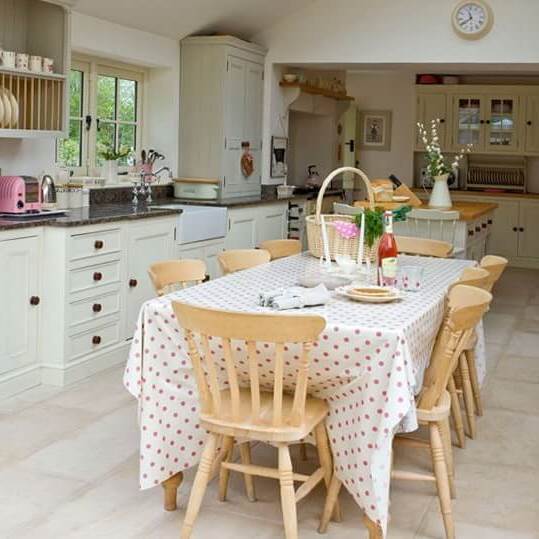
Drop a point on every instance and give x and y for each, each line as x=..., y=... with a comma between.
x=468, y=395
x=442, y=481
x=199, y=486
x=224, y=473
x=288, y=497
x=470, y=359
x=445, y=433
x=456, y=412
x=326, y=461
x=331, y=499
x=245, y=454
x=170, y=487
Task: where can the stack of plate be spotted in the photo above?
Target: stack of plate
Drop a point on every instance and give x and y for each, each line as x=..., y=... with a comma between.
x=370, y=294
x=9, y=110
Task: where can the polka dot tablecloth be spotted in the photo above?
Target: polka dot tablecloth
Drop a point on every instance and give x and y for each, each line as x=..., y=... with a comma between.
x=368, y=364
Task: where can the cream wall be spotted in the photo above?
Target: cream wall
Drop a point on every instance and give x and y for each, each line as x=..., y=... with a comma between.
x=392, y=91
x=100, y=38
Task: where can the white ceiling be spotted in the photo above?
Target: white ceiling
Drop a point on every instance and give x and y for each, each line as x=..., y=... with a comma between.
x=180, y=18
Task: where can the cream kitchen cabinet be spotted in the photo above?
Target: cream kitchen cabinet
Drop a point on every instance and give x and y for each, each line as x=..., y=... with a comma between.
x=222, y=81
x=433, y=107
x=20, y=297
x=147, y=242
x=205, y=250
x=532, y=124
x=249, y=226
x=528, y=231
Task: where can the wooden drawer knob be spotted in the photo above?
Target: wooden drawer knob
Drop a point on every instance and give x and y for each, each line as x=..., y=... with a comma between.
x=96, y=339
x=97, y=307
x=489, y=221
x=470, y=232
x=483, y=225
x=478, y=229
x=515, y=229
x=98, y=244
x=133, y=283
x=35, y=300
x=98, y=276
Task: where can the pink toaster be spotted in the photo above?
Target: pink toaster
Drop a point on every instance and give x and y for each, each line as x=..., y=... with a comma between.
x=19, y=194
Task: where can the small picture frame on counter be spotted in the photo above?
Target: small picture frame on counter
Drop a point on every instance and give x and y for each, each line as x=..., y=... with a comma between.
x=278, y=166
x=375, y=129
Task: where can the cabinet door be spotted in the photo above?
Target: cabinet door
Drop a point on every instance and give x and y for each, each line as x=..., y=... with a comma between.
x=468, y=121
x=18, y=317
x=273, y=223
x=211, y=252
x=148, y=242
x=503, y=234
x=432, y=107
x=234, y=122
x=528, y=242
x=241, y=229
x=501, y=121
x=532, y=124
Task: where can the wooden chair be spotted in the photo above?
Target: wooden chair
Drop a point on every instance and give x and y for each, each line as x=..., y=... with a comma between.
x=495, y=265
x=281, y=248
x=477, y=277
x=433, y=224
x=239, y=259
x=251, y=413
x=172, y=274
x=466, y=305
x=424, y=247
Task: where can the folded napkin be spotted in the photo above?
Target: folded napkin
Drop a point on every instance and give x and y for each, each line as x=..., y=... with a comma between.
x=294, y=297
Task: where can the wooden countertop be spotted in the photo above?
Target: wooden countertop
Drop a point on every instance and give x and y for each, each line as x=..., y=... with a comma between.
x=469, y=211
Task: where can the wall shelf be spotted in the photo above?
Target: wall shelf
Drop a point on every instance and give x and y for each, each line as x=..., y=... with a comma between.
x=31, y=74
x=316, y=91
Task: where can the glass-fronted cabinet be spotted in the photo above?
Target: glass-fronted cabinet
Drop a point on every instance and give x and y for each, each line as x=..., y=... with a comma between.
x=469, y=123
x=501, y=123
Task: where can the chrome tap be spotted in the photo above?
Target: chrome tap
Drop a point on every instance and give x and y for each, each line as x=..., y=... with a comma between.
x=144, y=187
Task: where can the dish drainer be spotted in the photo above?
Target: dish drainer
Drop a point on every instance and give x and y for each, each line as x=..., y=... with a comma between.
x=506, y=173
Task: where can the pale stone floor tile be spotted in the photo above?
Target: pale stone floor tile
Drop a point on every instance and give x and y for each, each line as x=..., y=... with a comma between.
x=93, y=450
x=28, y=398
x=532, y=313
x=520, y=369
x=498, y=327
x=513, y=396
x=524, y=344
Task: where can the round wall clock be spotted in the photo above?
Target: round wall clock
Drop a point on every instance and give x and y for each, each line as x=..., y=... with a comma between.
x=472, y=19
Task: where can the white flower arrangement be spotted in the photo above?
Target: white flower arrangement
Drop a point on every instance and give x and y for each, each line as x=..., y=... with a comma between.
x=436, y=162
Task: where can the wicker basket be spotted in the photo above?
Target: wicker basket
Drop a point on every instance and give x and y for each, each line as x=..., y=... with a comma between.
x=337, y=244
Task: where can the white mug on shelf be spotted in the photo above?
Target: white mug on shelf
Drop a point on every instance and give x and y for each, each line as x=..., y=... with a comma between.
x=8, y=59
x=21, y=61
x=48, y=65
x=36, y=64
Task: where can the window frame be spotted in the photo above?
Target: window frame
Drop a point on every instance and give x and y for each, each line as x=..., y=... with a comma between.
x=92, y=68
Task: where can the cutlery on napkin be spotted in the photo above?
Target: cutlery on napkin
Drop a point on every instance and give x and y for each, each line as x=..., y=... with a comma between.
x=294, y=297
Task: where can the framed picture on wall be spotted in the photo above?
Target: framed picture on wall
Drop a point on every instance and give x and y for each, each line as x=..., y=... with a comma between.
x=278, y=157
x=375, y=126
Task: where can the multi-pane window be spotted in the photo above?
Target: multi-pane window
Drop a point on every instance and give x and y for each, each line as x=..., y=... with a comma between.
x=105, y=113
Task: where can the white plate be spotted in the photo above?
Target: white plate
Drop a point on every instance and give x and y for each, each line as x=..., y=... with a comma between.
x=1, y=113
x=14, y=109
x=394, y=295
x=399, y=198
x=7, y=108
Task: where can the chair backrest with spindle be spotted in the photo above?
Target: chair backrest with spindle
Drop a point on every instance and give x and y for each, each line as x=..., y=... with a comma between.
x=239, y=259
x=424, y=247
x=465, y=308
x=281, y=248
x=495, y=265
x=432, y=224
x=246, y=330
x=173, y=274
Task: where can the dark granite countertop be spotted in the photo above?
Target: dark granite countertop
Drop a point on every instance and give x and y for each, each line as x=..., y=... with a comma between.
x=101, y=213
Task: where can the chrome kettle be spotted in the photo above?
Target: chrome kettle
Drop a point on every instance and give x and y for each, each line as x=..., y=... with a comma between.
x=48, y=192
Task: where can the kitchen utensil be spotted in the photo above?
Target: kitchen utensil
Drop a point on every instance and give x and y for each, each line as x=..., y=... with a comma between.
x=48, y=65
x=313, y=178
x=2, y=113
x=13, y=120
x=36, y=64
x=196, y=189
x=369, y=294
x=48, y=192
x=143, y=156
x=7, y=108
x=19, y=194
x=21, y=61
x=285, y=191
x=411, y=278
x=290, y=77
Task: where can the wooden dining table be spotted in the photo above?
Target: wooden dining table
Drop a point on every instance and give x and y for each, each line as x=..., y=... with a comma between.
x=368, y=364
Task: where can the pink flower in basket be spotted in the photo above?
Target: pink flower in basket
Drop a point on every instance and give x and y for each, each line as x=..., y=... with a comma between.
x=346, y=229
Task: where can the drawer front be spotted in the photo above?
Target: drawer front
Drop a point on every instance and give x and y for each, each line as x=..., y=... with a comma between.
x=94, y=308
x=104, y=241
x=94, y=277
x=93, y=340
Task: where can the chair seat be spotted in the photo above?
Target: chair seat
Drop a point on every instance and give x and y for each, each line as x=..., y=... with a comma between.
x=438, y=412
x=245, y=427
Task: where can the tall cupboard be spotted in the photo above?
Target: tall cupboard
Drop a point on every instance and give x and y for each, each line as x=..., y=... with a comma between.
x=222, y=80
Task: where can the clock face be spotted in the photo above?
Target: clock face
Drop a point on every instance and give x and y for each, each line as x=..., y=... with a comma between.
x=472, y=18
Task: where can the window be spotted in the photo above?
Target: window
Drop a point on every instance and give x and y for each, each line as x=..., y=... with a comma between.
x=105, y=111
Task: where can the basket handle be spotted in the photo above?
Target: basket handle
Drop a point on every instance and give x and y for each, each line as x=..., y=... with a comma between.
x=332, y=175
